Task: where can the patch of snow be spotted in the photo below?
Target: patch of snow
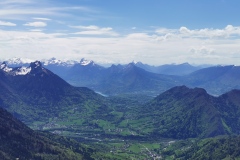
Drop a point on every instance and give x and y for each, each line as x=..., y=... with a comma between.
x=15, y=71
x=38, y=64
x=5, y=68
x=54, y=61
x=134, y=62
x=23, y=71
x=3, y=65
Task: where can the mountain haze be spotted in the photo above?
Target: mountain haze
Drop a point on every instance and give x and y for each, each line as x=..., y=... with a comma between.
x=169, y=69
x=216, y=80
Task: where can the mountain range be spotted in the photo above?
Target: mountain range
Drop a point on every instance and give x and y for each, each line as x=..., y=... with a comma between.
x=180, y=112
x=130, y=78
x=155, y=79
x=43, y=100
x=116, y=79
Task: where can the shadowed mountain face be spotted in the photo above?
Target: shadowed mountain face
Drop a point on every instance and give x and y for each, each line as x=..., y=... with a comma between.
x=183, y=113
x=19, y=141
x=37, y=91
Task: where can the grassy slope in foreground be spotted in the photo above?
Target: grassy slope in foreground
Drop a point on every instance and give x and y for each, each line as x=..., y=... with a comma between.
x=19, y=141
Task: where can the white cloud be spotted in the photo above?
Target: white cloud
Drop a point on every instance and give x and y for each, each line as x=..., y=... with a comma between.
x=177, y=46
x=42, y=19
x=3, y=23
x=36, y=24
x=7, y=2
x=36, y=30
x=91, y=27
x=163, y=31
x=26, y=9
x=94, y=30
x=184, y=32
x=202, y=50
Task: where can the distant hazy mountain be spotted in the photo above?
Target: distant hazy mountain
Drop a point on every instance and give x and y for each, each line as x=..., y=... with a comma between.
x=85, y=73
x=169, y=69
x=182, y=112
x=132, y=79
x=55, y=61
x=58, y=67
x=216, y=80
x=19, y=141
x=117, y=78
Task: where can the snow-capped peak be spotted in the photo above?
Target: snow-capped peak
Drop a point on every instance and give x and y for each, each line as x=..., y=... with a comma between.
x=134, y=62
x=15, y=71
x=54, y=61
x=17, y=61
x=37, y=64
x=85, y=62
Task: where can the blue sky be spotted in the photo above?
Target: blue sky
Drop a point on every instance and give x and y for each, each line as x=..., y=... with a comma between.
x=120, y=31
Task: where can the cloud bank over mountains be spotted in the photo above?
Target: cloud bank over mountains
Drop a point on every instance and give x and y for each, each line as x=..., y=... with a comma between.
x=218, y=46
x=71, y=31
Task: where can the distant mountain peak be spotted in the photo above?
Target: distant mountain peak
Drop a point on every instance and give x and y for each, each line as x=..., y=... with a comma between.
x=37, y=68
x=185, y=64
x=134, y=62
x=139, y=63
x=35, y=64
x=182, y=91
x=130, y=65
x=85, y=62
x=18, y=61
x=53, y=60
x=15, y=71
x=58, y=62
